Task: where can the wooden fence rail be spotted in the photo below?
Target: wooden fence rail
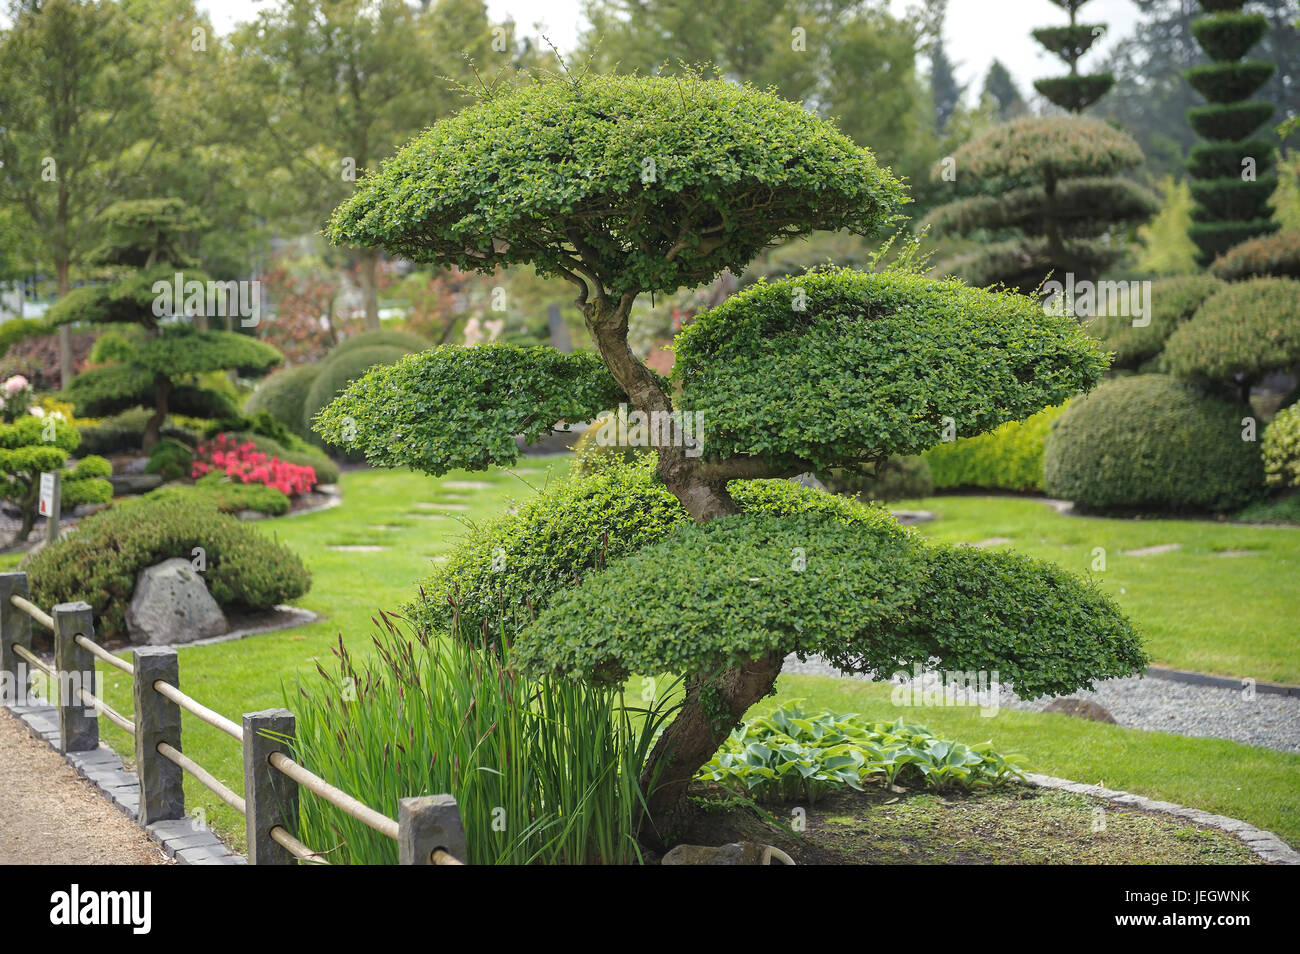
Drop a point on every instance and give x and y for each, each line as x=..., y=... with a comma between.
x=428, y=830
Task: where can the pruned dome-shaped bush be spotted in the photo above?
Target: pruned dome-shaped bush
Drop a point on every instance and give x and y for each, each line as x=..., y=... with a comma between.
x=1047, y=190
x=1270, y=256
x=1240, y=334
x=838, y=367
x=1151, y=442
x=1171, y=302
x=383, y=338
x=1281, y=447
x=663, y=169
x=283, y=395
x=338, y=372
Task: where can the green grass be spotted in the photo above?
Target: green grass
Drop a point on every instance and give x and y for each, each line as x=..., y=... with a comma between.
x=1196, y=608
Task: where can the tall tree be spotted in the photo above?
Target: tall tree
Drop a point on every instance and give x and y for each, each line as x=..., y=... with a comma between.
x=325, y=89
x=1001, y=90
x=78, y=123
x=1074, y=91
x=945, y=89
x=1232, y=177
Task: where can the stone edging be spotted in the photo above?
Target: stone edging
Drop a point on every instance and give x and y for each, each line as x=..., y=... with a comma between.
x=1188, y=677
x=1265, y=844
x=184, y=839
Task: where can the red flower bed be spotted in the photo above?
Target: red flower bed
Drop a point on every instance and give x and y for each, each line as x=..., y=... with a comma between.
x=246, y=464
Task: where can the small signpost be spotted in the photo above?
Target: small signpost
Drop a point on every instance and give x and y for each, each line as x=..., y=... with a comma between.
x=50, y=504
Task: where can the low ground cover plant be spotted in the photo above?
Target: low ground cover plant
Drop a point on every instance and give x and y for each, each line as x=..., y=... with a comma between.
x=792, y=754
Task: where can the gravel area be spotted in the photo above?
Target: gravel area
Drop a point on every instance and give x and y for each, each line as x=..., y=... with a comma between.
x=49, y=815
x=1271, y=721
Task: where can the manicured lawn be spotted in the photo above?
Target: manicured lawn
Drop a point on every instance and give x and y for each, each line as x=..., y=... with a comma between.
x=1197, y=609
x=1225, y=602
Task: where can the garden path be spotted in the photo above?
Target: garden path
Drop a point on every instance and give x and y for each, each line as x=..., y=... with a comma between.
x=51, y=815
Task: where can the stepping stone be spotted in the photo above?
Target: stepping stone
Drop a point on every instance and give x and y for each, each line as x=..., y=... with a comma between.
x=990, y=542
x=356, y=548
x=1153, y=551
x=442, y=506
x=1236, y=553
x=439, y=558
x=427, y=516
x=383, y=526
x=910, y=517
x=467, y=485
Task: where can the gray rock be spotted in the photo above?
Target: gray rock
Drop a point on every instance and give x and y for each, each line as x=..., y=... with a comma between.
x=808, y=480
x=1080, y=708
x=736, y=853
x=171, y=604
x=134, y=483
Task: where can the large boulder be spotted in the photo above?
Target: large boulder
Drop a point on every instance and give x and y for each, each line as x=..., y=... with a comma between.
x=171, y=604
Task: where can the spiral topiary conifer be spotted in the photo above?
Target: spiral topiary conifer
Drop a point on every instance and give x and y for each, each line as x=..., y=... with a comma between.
x=162, y=371
x=1075, y=91
x=1231, y=177
x=623, y=185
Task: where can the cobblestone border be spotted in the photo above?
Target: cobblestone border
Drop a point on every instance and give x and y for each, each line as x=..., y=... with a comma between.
x=183, y=839
x=1265, y=844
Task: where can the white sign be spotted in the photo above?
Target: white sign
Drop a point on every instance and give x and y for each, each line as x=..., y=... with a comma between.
x=47, y=495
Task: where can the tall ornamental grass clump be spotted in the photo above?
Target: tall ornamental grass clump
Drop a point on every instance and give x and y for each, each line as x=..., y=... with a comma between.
x=545, y=770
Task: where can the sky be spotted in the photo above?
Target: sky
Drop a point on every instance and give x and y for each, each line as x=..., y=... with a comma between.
x=976, y=32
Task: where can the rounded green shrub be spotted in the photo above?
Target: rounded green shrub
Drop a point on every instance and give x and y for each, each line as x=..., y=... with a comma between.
x=1276, y=256
x=1172, y=301
x=895, y=478
x=513, y=565
x=383, y=338
x=823, y=366
x=1281, y=448
x=871, y=600
x=1009, y=457
x=283, y=395
x=19, y=329
x=337, y=373
x=245, y=570
x=228, y=496
x=418, y=412
x=1152, y=442
x=1240, y=334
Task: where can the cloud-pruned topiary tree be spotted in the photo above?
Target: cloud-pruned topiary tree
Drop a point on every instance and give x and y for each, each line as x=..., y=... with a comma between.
x=1231, y=179
x=1075, y=91
x=623, y=185
x=31, y=446
x=161, y=371
x=1047, y=197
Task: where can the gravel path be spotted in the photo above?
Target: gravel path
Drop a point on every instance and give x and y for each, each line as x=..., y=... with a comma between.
x=51, y=815
x=1272, y=721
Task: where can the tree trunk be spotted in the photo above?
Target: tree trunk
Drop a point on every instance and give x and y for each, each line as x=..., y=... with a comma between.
x=65, y=333
x=29, y=505
x=152, y=430
x=366, y=261
x=713, y=706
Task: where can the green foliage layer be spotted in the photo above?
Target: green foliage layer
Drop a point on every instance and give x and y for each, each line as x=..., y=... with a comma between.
x=1010, y=457
x=1172, y=301
x=1239, y=335
x=1277, y=256
x=1281, y=447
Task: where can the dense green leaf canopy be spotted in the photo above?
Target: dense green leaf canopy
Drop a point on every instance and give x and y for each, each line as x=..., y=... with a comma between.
x=1240, y=334
x=129, y=301
x=462, y=407
x=652, y=183
x=1172, y=301
x=101, y=392
x=874, y=602
x=1073, y=207
x=872, y=365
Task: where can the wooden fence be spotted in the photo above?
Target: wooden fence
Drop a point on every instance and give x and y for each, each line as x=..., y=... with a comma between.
x=428, y=830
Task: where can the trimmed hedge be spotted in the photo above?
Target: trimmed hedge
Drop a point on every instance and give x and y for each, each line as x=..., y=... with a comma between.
x=895, y=478
x=383, y=338
x=1281, y=448
x=1007, y=458
x=1151, y=442
x=1172, y=302
x=283, y=395
x=101, y=561
x=1242, y=333
x=226, y=495
x=1276, y=256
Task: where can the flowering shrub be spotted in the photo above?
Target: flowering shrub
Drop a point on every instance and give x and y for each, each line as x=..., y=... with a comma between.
x=15, y=397
x=243, y=462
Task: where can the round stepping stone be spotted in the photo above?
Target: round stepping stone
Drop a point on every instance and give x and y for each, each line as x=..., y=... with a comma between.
x=442, y=506
x=427, y=516
x=1153, y=551
x=467, y=485
x=356, y=548
x=909, y=517
x=1236, y=553
x=990, y=542
x=383, y=526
